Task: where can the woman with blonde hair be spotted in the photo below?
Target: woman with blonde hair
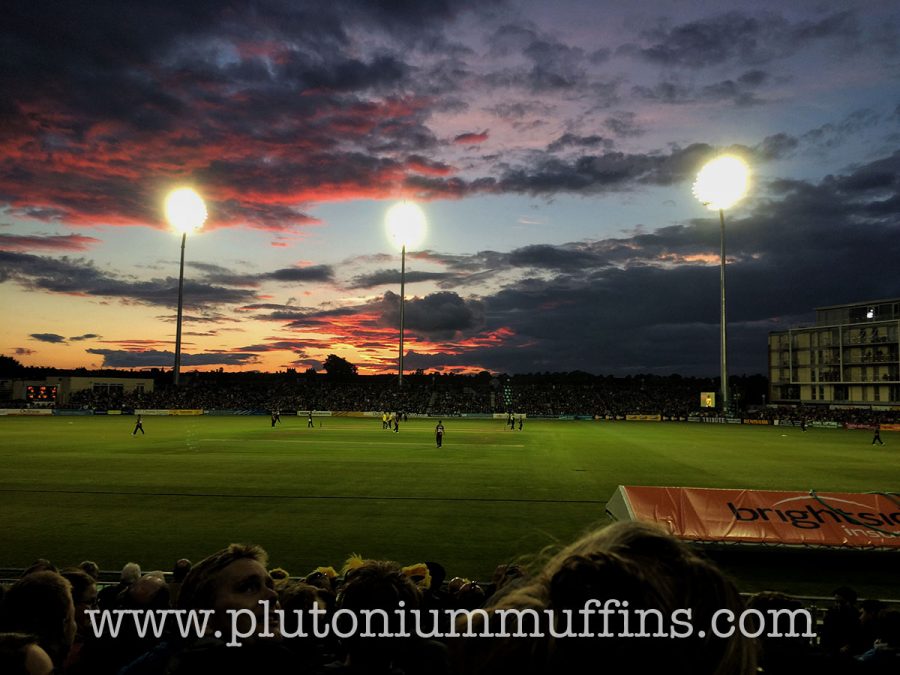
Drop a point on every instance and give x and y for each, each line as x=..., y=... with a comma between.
x=624, y=598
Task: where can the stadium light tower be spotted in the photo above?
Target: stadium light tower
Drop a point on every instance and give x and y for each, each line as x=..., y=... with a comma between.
x=721, y=184
x=185, y=212
x=405, y=223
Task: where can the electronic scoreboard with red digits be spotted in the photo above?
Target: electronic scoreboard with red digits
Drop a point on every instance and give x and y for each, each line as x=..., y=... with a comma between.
x=41, y=393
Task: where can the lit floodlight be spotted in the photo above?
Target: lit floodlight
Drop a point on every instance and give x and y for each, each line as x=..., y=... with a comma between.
x=185, y=210
x=722, y=183
x=405, y=223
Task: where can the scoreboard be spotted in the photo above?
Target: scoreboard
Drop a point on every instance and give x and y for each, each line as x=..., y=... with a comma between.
x=41, y=393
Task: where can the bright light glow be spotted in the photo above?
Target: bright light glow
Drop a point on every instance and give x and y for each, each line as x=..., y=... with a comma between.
x=405, y=224
x=185, y=210
x=722, y=183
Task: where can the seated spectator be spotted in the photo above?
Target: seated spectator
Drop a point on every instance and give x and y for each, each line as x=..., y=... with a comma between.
x=869, y=612
x=382, y=585
x=40, y=604
x=633, y=562
x=21, y=654
x=785, y=655
x=90, y=568
x=841, y=629
x=40, y=565
x=108, y=596
x=179, y=572
x=106, y=654
x=234, y=578
x=884, y=657
x=298, y=599
x=84, y=597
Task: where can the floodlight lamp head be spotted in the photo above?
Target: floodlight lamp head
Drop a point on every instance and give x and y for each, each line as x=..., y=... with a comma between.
x=722, y=182
x=405, y=222
x=185, y=210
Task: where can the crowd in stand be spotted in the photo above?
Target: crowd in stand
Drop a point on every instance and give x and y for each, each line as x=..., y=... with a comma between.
x=812, y=413
x=609, y=398
x=463, y=626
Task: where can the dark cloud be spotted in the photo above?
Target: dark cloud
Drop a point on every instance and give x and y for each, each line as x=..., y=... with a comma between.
x=569, y=140
x=740, y=91
x=123, y=358
x=81, y=277
x=743, y=38
x=552, y=257
x=86, y=336
x=301, y=274
x=23, y=351
x=274, y=346
x=777, y=146
x=392, y=277
x=516, y=110
x=68, y=242
x=439, y=316
x=221, y=275
x=549, y=65
x=831, y=135
x=52, y=338
x=623, y=124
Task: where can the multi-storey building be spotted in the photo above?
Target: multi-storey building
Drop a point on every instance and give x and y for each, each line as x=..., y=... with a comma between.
x=851, y=356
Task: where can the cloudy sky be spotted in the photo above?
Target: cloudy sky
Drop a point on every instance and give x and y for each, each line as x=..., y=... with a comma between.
x=551, y=145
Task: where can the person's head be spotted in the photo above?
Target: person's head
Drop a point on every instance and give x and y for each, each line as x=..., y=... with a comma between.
x=777, y=652
x=41, y=604
x=653, y=572
x=234, y=578
x=376, y=585
x=40, y=565
x=279, y=575
x=888, y=631
x=180, y=570
x=20, y=654
x=131, y=572
x=844, y=596
x=869, y=610
x=84, y=595
x=90, y=568
x=150, y=592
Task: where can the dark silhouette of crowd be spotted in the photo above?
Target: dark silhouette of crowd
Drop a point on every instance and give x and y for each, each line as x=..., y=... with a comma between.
x=543, y=395
x=462, y=627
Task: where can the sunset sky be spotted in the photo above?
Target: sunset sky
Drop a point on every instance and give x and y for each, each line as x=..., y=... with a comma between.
x=552, y=146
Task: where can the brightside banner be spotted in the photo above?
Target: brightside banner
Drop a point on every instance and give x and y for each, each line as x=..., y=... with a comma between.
x=763, y=517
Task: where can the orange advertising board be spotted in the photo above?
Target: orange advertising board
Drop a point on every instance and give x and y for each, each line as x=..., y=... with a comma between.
x=765, y=517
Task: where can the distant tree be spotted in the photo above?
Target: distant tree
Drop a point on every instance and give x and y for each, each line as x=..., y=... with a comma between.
x=10, y=366
x=338, y=368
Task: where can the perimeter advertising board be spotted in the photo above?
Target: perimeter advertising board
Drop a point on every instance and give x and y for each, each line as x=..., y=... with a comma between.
x=838, y=519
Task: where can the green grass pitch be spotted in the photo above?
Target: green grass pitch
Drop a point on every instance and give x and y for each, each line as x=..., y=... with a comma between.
x=73, y=488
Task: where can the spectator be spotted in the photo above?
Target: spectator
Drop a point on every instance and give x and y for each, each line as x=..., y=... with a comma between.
x=84, y=597
x=108, y=596
x=21, y=654
x=41, y=604
x=633, y=562
x=884, y=656
x=179, y=572
x=381, y=585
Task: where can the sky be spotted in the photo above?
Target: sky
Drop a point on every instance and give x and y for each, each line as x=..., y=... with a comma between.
x=552, y=147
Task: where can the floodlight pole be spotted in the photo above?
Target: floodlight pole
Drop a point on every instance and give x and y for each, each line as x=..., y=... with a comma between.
x=402, y=299
x=177, y=370
x=723, y=339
